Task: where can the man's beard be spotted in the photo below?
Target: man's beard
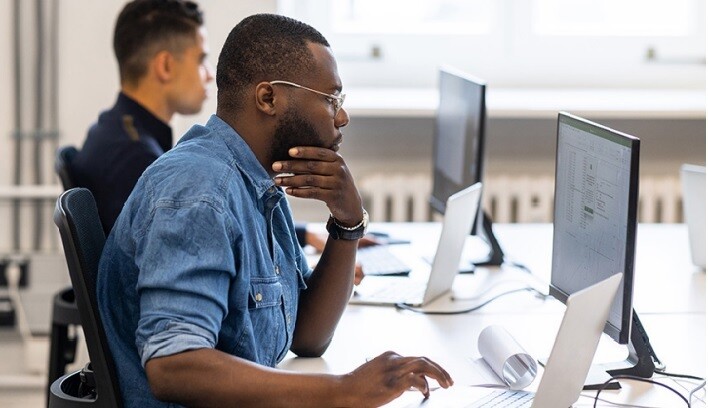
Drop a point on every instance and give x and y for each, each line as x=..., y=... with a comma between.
x=293, y=130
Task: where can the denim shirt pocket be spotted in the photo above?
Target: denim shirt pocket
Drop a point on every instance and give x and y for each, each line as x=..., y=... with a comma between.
x=265, y=304
x=265, y=292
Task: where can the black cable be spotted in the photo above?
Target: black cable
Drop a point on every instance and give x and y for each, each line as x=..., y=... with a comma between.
x=519, y=265
x=404, y=306
x=690, y=377
x=640, y=379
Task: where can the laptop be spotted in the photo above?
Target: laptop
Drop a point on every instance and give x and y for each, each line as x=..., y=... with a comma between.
x=456, y=226
x=693, y=184
x=568, y=365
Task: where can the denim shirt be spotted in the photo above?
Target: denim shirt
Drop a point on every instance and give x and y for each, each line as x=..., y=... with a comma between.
x=203, y=255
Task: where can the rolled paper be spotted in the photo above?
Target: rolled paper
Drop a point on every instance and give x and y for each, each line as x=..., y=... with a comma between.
x=506, y=357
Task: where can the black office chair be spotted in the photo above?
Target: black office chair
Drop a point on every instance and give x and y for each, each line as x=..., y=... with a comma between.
x=65, y=314
x=62, y=166
x=82, y=236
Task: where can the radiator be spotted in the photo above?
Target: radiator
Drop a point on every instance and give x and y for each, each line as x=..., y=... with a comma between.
x=507, y=198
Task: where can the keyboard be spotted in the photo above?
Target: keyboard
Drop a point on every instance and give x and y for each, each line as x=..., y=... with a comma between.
x=504, y=399
x=378, y=260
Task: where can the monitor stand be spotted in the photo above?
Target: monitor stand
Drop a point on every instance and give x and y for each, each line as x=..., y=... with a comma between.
x=496, y=255
x=642, y=360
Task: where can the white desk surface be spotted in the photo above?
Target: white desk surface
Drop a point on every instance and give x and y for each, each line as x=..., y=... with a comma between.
x=536, y=103
x=676, y=325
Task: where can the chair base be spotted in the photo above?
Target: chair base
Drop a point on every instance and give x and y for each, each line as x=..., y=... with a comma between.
x=63, y=393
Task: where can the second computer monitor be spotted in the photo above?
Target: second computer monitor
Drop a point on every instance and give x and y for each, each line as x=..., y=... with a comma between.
x=458, y=150
x=458, y=146
x=595, y=214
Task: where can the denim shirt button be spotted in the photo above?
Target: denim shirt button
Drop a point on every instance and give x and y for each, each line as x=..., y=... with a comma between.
x=271, y=190
x=259, y=297
x=277, y=270
x=287, y=319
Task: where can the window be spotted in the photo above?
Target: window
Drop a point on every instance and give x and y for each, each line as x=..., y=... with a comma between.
x=406, y=17
x=514, y=43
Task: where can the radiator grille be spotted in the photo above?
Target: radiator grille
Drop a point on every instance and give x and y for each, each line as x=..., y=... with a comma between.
x=507, y=198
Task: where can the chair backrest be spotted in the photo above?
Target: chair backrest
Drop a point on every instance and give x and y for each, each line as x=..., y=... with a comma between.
x=81, y=233
x=62, y=166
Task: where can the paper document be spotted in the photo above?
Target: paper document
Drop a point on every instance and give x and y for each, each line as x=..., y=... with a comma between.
x=504, y=363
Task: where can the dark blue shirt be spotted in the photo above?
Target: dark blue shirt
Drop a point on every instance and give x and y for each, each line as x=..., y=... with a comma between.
x=119, y=147
x=203, y=255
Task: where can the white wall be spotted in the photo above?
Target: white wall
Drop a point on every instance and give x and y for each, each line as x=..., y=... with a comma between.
x=88, y=74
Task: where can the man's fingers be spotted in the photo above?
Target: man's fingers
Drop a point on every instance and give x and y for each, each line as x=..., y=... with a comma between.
x=315, y=153
x=306, y=180
x=429, y=368
x=358, y=274
x=418, y=382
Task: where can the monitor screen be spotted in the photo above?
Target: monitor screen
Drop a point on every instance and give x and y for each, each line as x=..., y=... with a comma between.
x=595, y=214
x=458, y=141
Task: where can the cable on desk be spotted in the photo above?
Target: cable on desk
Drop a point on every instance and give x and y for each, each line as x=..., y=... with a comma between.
x=518, y=265
x=404, y=306
x=484, y=291
x=690, y=377
x=617, y=404
x=692, y=392
x=640, y=379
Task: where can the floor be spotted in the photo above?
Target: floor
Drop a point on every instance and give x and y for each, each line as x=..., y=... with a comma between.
x=19, y=388
x=23, y=370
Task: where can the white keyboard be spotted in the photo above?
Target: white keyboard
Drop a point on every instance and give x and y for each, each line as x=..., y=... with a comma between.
x=504, y=399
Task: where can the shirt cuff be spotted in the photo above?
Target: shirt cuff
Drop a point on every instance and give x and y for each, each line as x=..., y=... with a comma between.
x=176, y=338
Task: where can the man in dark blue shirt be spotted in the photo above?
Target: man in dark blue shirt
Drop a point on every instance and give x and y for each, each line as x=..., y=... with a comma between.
x=162, y=52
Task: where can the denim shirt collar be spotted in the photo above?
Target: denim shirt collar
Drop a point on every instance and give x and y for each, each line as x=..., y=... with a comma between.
x=242, y=157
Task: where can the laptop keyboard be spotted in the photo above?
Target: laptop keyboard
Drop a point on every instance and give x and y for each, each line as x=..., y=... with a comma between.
x=504, y=399
x=378, y=260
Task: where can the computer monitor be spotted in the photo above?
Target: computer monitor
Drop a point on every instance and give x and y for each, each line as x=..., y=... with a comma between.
x=595, y=218
x=458, y=147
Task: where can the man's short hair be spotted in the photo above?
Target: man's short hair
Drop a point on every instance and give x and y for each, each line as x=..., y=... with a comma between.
x=146, y=27
x=263, y=47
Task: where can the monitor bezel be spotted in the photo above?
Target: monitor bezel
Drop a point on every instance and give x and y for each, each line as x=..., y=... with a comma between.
x=619, y=334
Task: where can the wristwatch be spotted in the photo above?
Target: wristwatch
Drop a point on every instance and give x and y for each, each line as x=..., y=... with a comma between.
x=337, y=231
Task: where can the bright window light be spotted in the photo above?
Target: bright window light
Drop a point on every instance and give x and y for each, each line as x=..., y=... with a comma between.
x=613, y=17
x=419, y=16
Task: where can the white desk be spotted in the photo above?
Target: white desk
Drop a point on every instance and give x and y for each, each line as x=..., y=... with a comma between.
x=676, y=325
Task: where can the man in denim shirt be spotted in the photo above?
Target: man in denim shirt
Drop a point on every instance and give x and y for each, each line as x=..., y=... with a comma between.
x=161, y=48
x=202, y=285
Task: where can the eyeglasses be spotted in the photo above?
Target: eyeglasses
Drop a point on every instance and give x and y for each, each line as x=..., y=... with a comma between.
x=336, y=100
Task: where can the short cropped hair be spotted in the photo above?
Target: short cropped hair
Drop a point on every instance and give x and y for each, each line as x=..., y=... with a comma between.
x=146, y=27
x=263, y=47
